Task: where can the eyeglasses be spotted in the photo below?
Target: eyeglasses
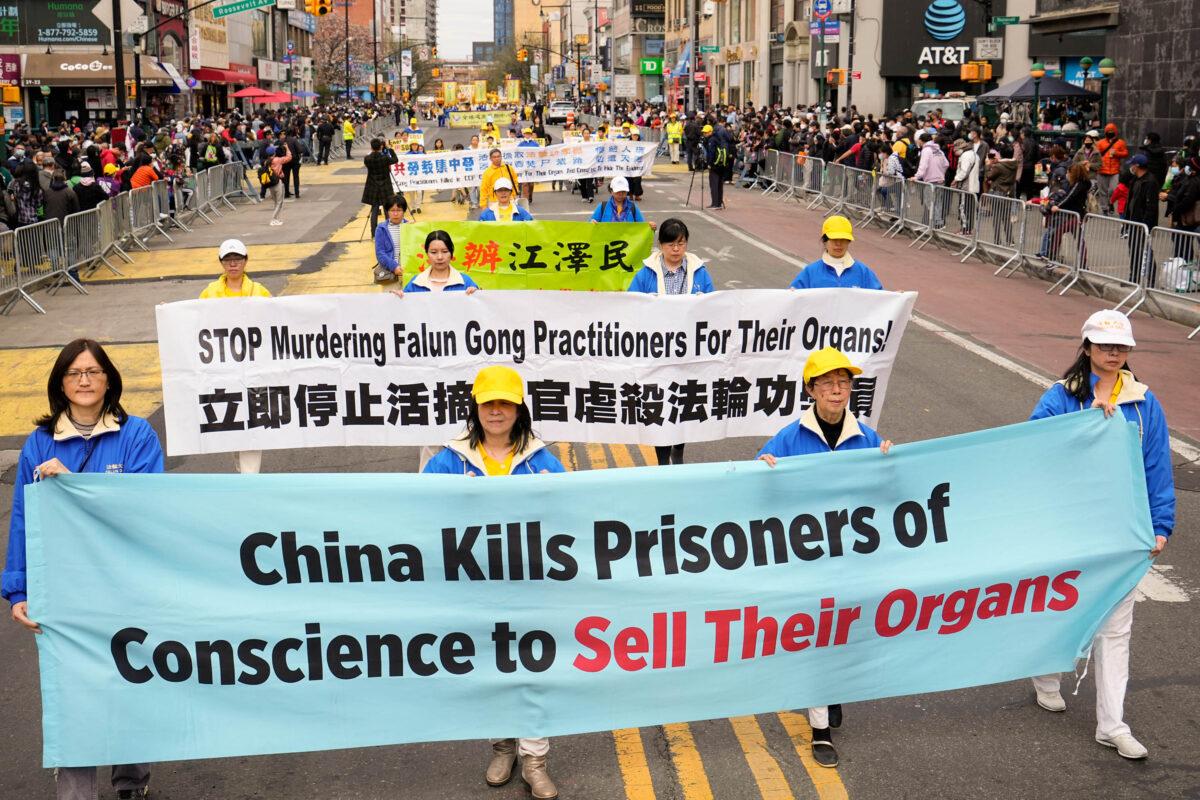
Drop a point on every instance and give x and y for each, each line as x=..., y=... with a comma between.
x=1114, y=348
x=74, y=375
x=829, y=383
x=233, y=260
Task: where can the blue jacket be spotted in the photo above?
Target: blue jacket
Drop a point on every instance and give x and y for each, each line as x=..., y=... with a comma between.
x=649, y=279
x=607, y=212
x=385, y=250
x=819, y=275
x=519, y=214
x=458, y=282
x=112, y=448
x=804, y=436
x=456, y=458
x=1142, y=408
x=719, y=139
x=528, y=143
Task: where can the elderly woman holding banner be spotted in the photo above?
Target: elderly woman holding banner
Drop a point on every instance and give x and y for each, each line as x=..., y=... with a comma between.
x=499, y=441
x=826, y=427
x=85, y=430
x=1100, y=378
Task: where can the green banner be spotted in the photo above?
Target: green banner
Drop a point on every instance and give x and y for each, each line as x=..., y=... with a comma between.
x=537, y=255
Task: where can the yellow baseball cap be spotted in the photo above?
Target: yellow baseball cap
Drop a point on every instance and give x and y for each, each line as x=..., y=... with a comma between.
x=825, y=361
x=838, y=227
x=498, y=383
x=527, y=130
x=412, y=121
x=706, y=129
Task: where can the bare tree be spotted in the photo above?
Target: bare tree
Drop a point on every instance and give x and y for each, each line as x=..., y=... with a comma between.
x=329, y=55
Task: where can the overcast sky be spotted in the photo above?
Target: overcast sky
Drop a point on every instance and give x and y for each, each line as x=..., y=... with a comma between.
x=461, y=22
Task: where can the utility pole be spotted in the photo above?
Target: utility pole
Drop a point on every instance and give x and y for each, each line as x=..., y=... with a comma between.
x=346, y=12
x=850, y=62
x=693, y=54
x=119, y=57
x=374, y=48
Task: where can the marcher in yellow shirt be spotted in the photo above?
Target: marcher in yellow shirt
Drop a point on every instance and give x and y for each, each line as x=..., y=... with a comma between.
x=495, y=170
x=674, y=138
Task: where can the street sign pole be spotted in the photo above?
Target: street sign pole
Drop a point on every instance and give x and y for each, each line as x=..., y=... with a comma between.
x=821, y=10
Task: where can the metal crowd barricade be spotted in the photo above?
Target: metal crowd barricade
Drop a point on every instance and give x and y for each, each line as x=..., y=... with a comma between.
x=10, y=276
x=40, y=258
x=1177, y=256
x=889, y=203
x=833, y=184
x=111, y=233
x=811, y=174
x=143, y=216
x=81, y=241
x=788, y=175
x=858, y=193
x=166, y=214
x=1054, y=241
x=769, y=172
x=242, y=187
x=195, y=201
x=1000, y=230
x=1115, y=251
x=952, y=219
x=918, y=201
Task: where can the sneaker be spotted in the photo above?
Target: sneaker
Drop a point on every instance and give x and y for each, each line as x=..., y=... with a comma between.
x=276, y=222
x=823, y=751
x=1051, y=701
x=835, y=716
x=1126, y=745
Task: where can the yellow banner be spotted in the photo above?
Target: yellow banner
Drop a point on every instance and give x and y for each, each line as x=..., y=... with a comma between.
x=450, y=92
x=512, y=88
x=477, y=119
x=481, y=91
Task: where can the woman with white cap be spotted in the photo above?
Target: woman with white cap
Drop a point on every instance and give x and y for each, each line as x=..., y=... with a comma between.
x=618, y=207
x=836, y=269
x=1101, y=378
x=827, y=426
x=499, y=441
x=503, y=209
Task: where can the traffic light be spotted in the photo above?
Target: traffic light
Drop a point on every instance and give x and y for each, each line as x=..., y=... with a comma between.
x=835, y=77
x=522, y=54
x=318, y=8
x=433, y=53
x=435, y=72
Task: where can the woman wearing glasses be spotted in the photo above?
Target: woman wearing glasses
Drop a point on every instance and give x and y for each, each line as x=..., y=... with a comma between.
x=85, y=430
x=827, y=426
x=1100, y=378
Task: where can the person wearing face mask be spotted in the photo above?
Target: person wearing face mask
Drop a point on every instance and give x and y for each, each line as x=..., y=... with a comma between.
x=1087, y=152
x=1156, y=156
x=1113, y=151
x=17, y=158
x=1183, y=205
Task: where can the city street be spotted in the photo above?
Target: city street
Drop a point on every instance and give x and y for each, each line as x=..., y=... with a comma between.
x=978, y=355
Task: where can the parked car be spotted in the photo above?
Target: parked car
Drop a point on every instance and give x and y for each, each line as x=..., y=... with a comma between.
x=558, y=111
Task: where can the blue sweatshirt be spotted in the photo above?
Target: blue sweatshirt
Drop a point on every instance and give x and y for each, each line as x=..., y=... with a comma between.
x=1139, y=406
x=456, y=458
x=649, y=279
x=458, y=282
x=112, y=448
x=385, y=249
x=804, y=436
x=607, y=212
x=819, y=275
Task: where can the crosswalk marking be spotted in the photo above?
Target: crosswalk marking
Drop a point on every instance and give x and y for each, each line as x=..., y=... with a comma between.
x=827, y=781
x=772, y=784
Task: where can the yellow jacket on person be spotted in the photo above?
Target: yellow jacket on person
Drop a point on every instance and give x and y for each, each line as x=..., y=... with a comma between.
x=675, y=131
x=347, y=130
x=490, y=175
x=219, y=288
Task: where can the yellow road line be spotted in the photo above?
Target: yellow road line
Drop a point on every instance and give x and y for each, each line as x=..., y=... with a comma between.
x=689, y=767
x=631, y=757
x=621, y=455
x=772, y=784
x=827, y=781
x=23, y=391
x=596, y=455
x=648, y=457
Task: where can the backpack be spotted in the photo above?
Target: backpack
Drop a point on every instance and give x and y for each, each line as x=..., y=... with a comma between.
x=265, y=176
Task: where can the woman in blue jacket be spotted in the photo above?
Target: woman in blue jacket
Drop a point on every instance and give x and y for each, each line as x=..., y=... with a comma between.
x=387, y=236
x=85, y=430
x=618, y=207
x=1100, y=378
x=826, y=427
x=836, y=268
x=439, y=276
x=672, y=270
x=499, y=441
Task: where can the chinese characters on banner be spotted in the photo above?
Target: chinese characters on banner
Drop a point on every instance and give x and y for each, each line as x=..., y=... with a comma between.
x=558, y=162
x=343, y=370
x=477, y=119
x=537, y=255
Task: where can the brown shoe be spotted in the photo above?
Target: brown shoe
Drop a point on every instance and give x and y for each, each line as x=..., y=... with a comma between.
x=504, y=755
x=533, y=772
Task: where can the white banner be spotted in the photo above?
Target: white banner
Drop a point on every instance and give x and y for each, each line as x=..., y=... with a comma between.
x=557, y=162
x=342, y=370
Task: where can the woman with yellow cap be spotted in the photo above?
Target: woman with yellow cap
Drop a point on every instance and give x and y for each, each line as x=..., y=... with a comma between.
x=837, y=269
x=827, y=426
x=499, y=441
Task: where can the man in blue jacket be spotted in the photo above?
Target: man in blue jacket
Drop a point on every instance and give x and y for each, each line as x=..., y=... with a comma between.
x=837, y=269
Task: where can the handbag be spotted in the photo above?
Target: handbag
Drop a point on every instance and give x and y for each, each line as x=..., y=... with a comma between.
x=383, y=275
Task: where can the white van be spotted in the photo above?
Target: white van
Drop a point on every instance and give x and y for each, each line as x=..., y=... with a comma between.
x=954, y=106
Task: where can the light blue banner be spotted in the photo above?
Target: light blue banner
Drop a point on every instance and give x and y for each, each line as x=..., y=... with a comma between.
x=184, y=619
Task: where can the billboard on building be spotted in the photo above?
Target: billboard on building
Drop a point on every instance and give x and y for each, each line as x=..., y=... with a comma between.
x=937, y=35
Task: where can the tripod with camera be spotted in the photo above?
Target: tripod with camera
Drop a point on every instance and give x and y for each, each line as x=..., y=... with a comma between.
x=700, y=162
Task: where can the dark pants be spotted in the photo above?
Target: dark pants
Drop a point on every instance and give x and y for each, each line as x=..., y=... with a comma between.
x=587, y=188
x=291, y=177
x=1139, y=261
x=693, y=149
x=323, y=152
x=349, y=143
x=79, y=783
x=716, y=187
x=376, y=211
x=671, y=454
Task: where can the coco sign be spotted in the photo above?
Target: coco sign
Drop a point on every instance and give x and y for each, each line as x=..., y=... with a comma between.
x=939, y=37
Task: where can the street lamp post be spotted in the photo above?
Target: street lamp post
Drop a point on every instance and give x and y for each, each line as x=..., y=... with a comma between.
x=1107, y=68
x=1037, y=72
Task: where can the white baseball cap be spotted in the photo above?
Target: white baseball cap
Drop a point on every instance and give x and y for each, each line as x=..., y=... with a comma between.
x=1093, y=133
x=232, y=247
x=1108, y=327
x=502, y=183
x=618, y=184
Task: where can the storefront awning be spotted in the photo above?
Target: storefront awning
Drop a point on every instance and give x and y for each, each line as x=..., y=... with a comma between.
x=214, y=75
x=86, y=69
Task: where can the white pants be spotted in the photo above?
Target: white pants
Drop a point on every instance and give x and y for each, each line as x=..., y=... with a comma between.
x=674, y=148
x=1110, y=660
x=247, y=462
x=414, y=199
x=531, y=747
x=818, y=717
